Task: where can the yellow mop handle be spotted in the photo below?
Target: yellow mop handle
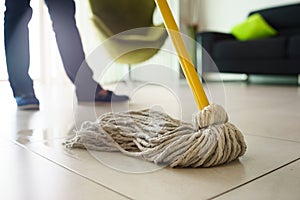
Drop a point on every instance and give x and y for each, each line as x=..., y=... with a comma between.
x=183, y=55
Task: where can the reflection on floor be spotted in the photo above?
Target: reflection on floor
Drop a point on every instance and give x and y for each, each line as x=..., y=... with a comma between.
x=35, y=165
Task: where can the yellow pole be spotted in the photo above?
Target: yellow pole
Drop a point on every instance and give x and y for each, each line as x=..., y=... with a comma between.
x=183, y=55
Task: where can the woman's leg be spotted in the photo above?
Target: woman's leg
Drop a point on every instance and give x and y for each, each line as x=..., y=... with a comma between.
x=62, y=14
x=16, y=38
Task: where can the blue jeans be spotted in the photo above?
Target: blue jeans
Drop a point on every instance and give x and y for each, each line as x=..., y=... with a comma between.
x=16, y=34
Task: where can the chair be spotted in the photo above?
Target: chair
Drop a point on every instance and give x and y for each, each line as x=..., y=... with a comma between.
x=125, y=22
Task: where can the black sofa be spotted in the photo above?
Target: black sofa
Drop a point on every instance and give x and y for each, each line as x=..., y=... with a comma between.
x=278, y=55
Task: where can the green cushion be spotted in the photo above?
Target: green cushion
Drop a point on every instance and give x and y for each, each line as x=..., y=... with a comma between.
x=255, y=27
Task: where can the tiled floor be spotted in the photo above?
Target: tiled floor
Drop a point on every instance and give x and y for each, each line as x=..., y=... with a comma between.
x=35, y=165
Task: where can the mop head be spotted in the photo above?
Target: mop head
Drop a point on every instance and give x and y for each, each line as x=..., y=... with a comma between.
x=156, y=137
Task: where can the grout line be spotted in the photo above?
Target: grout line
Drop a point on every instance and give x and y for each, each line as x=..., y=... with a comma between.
x=272, y=137
x=71, y=170
x=252, y=180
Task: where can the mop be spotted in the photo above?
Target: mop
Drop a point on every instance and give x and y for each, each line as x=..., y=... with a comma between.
x=157, y=137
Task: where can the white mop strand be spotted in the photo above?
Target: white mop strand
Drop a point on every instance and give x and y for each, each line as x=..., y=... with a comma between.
x=156, y=137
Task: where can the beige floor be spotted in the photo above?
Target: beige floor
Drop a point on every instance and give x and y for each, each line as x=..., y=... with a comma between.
x=35, y=165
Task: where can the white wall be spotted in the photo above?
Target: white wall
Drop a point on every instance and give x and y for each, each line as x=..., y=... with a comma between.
x=222, y=15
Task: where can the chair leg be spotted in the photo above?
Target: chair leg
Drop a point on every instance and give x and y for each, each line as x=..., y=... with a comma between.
x=129, y=72
x=248, y=78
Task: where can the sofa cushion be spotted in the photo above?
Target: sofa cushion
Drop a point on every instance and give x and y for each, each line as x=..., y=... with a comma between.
x=281, y=17
x=256, y=49
x=289, y=32
x=254, y=27
x=294, y=47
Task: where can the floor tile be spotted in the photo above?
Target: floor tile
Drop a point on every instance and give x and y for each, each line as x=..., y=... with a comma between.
x=269, y=121
x=25, y=175
x=240, y=97
x=281, y=184
x=267, y=115
x=269, y=111
x=263, y=156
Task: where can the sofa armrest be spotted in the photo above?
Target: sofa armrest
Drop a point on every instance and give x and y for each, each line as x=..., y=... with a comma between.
x=207, y=39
